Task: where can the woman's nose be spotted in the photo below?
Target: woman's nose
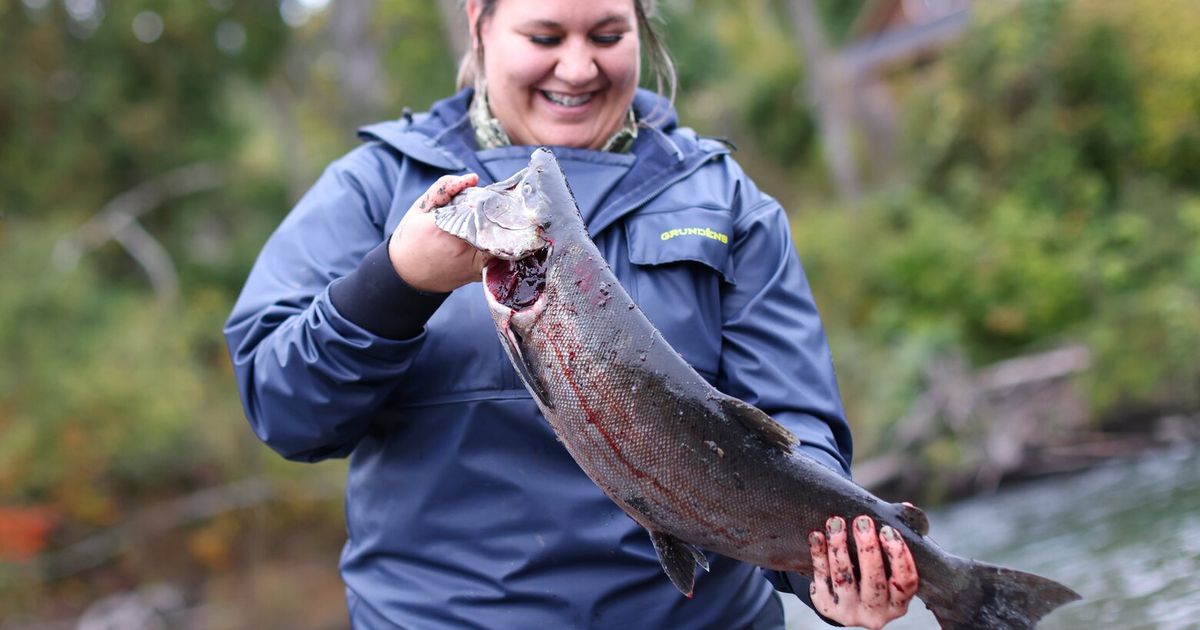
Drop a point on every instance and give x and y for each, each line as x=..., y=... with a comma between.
x=576, y=65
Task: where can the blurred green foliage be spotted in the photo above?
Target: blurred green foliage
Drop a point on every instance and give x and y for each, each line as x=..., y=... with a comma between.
x=1048, y=194
x=89, y=110
x=1043, y=206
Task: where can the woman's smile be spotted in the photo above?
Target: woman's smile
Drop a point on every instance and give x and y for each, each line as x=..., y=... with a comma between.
x=568, y=101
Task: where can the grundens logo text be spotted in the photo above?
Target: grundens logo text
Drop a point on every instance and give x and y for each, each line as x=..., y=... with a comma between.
x=695, y=231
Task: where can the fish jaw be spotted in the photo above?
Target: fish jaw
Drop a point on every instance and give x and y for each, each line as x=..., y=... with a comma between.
x=514, y=321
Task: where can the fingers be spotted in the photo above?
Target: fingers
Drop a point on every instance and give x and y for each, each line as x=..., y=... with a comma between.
x=822, y=597
x=873, y=587
x=903, y=583
x=427, y=258
x=841, y=570
x=444, y=189
x=882, y=591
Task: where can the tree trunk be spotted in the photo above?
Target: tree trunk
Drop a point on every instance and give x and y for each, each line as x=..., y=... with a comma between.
x=360, y=68
x=454, y=23
x=830, y=87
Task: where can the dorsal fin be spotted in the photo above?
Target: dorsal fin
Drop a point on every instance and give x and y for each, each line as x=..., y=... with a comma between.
x=913, y=517
x=760, y=423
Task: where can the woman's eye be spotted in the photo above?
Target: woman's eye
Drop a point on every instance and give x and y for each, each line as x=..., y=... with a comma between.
x=545, y=40
x=606, y=40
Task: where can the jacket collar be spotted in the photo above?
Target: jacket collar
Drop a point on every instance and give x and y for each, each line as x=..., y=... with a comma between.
x=664, y=152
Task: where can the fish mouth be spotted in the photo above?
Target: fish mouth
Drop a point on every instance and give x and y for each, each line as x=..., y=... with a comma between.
x=517, y=284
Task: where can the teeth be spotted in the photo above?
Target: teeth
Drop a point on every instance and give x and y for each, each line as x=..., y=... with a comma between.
x=566, y=100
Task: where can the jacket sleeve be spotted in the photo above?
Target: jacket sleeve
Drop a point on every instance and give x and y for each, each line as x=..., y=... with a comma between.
x=774, y=353
x=324, y=328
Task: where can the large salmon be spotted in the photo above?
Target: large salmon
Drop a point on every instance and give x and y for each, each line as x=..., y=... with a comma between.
x=695, y=467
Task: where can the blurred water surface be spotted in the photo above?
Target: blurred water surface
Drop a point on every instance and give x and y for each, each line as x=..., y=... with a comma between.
x=1125, y=535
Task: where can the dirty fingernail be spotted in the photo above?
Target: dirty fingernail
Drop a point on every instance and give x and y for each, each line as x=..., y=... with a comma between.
x=887, y=533
x=834, y=525
x=814, y=538
x=863, y=523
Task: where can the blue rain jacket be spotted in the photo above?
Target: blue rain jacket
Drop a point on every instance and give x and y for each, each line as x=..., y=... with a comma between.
x=462, y=509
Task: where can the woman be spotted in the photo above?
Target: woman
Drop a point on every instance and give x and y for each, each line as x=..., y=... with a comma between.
x=355, y=335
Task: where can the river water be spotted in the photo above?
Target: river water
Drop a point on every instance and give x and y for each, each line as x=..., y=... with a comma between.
x=1126, y=536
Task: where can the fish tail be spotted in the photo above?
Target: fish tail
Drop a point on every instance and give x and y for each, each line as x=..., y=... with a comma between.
x=1002, y=599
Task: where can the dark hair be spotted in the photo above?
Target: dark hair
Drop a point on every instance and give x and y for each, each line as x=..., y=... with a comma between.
x=658, y=57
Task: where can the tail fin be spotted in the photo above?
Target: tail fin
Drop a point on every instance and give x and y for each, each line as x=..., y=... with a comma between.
x=1003, y=599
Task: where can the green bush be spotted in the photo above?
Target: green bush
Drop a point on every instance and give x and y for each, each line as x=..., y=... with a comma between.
x=1037, y=214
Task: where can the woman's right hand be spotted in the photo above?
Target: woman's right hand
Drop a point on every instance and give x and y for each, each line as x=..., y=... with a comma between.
x=880, y=593
x=424, y=256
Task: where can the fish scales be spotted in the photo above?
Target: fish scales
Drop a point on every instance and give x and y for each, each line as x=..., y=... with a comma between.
x=597, y=403
x=695, y=467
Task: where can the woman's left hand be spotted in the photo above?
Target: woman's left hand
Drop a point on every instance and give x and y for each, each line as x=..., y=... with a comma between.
x=423, y=255
x=879, y=594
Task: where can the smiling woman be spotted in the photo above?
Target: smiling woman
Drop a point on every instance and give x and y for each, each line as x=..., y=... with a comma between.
x=559, y=73
x=604, y=25
x=356, y=335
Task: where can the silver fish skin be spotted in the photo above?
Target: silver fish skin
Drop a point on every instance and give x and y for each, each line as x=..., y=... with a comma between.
x=697, y=468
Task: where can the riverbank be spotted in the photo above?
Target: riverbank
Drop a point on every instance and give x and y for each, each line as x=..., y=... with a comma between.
x=1121, y=533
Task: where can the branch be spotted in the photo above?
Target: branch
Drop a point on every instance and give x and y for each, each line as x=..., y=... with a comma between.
x=902, y=44
x=962, y=402
x=1032, y=369
x=117, y=221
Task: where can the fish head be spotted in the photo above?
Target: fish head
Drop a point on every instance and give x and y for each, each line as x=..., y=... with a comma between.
x=505, y=219
x=517, y=221
x=555, y=202
x=512, y=219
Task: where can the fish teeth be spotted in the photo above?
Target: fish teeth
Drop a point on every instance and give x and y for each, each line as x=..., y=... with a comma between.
x=567, y=100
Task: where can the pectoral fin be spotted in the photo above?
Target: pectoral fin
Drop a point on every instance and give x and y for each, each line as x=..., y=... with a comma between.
x=460, y=217
x=514, y=346
x=679, y=560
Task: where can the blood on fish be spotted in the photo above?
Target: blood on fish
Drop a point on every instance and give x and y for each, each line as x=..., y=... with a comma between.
x=517, y=284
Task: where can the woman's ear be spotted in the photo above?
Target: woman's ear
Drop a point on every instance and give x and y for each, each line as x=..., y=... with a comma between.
x=474, y=7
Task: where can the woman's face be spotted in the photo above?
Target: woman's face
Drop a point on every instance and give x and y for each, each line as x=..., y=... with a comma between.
x=560, y=72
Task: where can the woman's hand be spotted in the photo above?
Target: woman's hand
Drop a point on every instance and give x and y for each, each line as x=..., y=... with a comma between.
x=424, y=256
x=880, y=594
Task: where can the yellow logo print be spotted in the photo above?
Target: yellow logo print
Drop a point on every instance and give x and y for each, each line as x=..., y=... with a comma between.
x=695, y=231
